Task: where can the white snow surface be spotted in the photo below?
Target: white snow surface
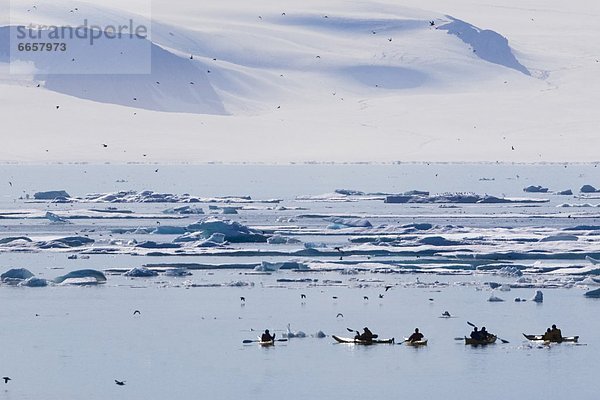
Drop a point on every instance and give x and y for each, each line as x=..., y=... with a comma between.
x=374, y=81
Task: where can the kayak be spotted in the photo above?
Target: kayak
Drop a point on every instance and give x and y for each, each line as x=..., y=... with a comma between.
x=267, y=343
x=417, y=343
x=475, y=342
x=356, y=341
x=540, y=338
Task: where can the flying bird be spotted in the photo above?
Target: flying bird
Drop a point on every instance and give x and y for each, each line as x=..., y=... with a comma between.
x=137, y=312
x=6, y=379
x=380, y=296
x=335, y=297
x=242, y=299
x=104, y=145
x=365, y=297
x=302, y=296
x=339, y=315
x=388, y=288
x=120, y=383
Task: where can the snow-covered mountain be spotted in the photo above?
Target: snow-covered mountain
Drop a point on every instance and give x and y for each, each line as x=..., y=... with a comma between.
x=273, y=81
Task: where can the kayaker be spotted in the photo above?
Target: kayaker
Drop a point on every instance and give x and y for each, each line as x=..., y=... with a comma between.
x=416, y=336
x=555, y=334
x=547, y=335
x=266, y=337
x=484, y=334
x=475, y=335
x=366, y=336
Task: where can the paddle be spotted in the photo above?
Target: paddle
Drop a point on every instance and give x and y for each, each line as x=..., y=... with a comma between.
x=258, y=341
x=502, y=340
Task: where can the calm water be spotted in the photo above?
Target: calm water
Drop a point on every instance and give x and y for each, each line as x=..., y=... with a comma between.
x=187, y=343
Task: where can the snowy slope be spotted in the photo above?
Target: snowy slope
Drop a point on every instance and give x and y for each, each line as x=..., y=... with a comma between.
x=325, y=81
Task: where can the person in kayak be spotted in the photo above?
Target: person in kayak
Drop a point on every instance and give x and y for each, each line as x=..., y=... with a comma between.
x=416, y=336
x=475, y=334
x=366, y=336
x=547, y=335
x=266, y=337
x=484, y=334
x=555, y=334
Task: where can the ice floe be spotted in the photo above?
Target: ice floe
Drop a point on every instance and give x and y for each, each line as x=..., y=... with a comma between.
x=140, y=272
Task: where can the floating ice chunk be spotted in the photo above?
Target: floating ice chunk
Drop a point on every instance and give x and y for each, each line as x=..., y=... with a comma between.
x=595, y=294
x=34, y=282
x=589, y=281
x=567, y=192
x=11, y=239
x=559, y=238
x=278, y=239
x=539, y=297
x=438, y=241
x=518, y=299
x=87, y=275
x=153, y=245
x=234, y=231
x=320, y=335
x=184, y=210
x=592, y=260
x=349, y=222
x=169, y=230
x=66, y=242
x=314, y=245
x=140, y=272
x=510, y=271
x=228, y=210
x=50, y=195
x=494, y=298
x=177, y=272
x=588, y=189
x=55, y=218
x=266, y=266
x=505, y=288
x=419, y=227
x=16, y=275
x=535, y=189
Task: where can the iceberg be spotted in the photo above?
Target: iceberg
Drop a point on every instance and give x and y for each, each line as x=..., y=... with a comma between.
x=80, y=276
x=233, y=231
x=50, y=195
x=595, y=294
x=588, y=189
x=55, y=218
x=539, y=297
x=535, y=189
x=16, y=275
